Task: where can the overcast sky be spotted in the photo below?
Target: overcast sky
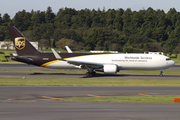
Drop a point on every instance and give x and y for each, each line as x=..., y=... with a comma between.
x=13, y=6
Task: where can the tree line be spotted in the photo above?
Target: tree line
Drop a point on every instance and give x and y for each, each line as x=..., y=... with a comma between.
x=120, y=30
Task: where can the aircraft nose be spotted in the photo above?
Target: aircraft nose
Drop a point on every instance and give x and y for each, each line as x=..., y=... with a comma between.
x=172, y=63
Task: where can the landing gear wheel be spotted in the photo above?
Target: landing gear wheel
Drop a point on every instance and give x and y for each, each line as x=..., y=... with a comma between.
x=89, y=74
x=93, y=73
x=161, y=73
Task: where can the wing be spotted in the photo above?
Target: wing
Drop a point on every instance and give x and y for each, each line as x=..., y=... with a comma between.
x=82, y=64
x=85, y=64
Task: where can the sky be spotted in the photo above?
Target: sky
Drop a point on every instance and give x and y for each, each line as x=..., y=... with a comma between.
x=13, y=6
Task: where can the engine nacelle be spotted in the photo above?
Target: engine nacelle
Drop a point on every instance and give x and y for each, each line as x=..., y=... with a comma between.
x=110, y=69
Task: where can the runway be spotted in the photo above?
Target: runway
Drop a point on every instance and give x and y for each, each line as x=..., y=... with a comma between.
x=36, y=92
x=87, y=111
x=40, y=102
x=30, y=102
x=21, y=66
x=68, y=75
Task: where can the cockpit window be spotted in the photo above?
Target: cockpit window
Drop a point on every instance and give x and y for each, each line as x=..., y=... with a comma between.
x=167, y=59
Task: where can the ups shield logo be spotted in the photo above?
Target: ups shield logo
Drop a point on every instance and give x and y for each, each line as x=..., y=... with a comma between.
x=19, y=43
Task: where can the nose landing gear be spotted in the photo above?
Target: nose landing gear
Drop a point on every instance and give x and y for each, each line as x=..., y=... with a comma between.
x=161, y=73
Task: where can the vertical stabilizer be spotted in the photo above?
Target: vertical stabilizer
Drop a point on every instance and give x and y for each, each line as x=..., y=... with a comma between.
x=21, y=44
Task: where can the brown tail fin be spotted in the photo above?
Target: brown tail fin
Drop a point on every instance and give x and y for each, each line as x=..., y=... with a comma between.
x=22, y=45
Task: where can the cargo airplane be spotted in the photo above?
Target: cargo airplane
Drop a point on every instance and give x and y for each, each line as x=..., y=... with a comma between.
x=107, y=63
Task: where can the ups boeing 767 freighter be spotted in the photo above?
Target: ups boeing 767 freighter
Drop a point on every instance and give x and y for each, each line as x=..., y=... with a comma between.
x=107, y=63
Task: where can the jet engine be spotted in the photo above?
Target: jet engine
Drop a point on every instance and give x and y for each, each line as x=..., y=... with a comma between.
x=110, y=69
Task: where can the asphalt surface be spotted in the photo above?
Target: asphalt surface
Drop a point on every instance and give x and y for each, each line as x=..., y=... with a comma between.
x=20, y=66
x=30, y=102
x=37, y=102
x=36, y=92
x=87, y=111
x=67, y=75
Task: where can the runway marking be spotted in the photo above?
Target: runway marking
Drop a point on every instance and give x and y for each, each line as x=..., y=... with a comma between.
x=31, y=98
x=23, y=99
x=93, y=95
x=144, y=94
x=50, y=97
x=11, y=99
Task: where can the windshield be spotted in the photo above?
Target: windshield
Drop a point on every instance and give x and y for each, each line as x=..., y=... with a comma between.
x=167, y=59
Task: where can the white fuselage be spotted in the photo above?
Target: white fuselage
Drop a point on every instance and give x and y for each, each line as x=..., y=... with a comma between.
x=123, y=61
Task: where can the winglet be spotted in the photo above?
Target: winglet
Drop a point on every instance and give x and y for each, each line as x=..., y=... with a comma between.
x=57, y=56
x=68, y=49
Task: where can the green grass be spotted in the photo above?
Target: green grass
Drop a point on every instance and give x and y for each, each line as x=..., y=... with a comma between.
x=86, y=82
x=5, y=53
x=2, y=58
x=176, y=60
x=127, y=99
x=149, y=72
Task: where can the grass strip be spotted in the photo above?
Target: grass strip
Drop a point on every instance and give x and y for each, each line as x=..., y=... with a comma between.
x=86, y=82
x=127, y=99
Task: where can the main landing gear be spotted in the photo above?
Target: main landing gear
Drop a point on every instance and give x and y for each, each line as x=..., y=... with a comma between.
x=90, y=73
x=161, y=73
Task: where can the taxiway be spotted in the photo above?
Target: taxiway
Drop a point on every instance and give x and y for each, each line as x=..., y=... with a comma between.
x=33, y=102
x=21, y=66
x=40, y=102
